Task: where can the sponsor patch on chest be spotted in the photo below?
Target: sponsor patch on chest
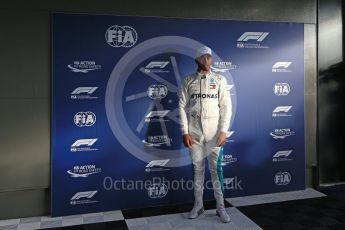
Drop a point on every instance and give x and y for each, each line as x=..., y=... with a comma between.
x=212, y=83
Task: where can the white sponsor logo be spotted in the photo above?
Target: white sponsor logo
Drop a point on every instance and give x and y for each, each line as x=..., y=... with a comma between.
x=222, y=66
x=282, y=133
x=154, y=163
x=232, y=183
x=157, y=165
x=257, y=36
x=83, y=145
x=281, y=89
x=82, y=119
x=281, y=111
x=282, y=178
x=229, y=134
x=252, y=40
x=282, y=156
x=83, y=197
x=158, y=190
x=227, y=159
x=156, y=115
x=229, y=87
x=121, y=36
x=83, y=170
x=83, y=93
x=83, y=66
x=156, y=67
x=157, y=64
x=157, y=91
x=158, y=140
x=281, y=67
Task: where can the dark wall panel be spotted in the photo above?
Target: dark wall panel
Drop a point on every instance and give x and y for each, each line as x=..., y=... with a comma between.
x=331, y=92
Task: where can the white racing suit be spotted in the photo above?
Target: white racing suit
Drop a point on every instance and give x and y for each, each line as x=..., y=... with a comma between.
x=205, y=111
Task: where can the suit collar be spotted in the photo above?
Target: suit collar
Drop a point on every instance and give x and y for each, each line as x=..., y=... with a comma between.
x=206, y=75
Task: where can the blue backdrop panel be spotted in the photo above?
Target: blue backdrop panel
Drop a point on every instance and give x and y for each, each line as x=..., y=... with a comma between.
x=116, y=135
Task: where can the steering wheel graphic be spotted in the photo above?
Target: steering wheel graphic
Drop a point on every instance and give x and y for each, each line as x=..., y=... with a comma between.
x=115, y=97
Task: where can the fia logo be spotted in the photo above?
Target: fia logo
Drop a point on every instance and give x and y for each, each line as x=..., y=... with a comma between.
x=282, y=178
x=281, y=89
x=157, y=91
x=158, y=190
x=121, y=36
x=82, y=119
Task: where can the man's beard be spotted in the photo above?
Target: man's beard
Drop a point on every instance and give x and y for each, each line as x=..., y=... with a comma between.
x=204, y=67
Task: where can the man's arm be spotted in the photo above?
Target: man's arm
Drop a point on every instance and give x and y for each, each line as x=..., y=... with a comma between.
x=225, y=106
x=183, y=106
x=183, y=110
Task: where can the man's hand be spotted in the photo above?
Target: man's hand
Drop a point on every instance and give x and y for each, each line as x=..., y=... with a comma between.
x=187, y=140
x=221, y=139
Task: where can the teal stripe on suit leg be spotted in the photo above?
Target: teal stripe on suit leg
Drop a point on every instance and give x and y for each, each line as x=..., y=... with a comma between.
x=220, y=168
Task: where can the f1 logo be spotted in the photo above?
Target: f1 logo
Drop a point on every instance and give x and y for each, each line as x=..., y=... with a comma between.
x=160, y=163
x=87, y=90
x=258, y=36
x=281, y=64
x=87, y=194
x=284, y=153
x=282, y=109
x=88, y=142
x=159, y=113
x=157, y=64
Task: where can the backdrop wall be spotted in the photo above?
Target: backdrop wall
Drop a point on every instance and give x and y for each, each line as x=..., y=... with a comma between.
x=25, y=98
x=115, y=108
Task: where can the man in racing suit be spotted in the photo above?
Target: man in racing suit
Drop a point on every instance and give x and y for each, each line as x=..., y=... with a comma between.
x=205, y=113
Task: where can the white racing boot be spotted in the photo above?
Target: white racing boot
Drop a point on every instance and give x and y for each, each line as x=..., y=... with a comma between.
x=223, y=215
x=197, y=210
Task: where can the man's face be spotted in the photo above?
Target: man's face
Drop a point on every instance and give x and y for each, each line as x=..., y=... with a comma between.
x=204, y=62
